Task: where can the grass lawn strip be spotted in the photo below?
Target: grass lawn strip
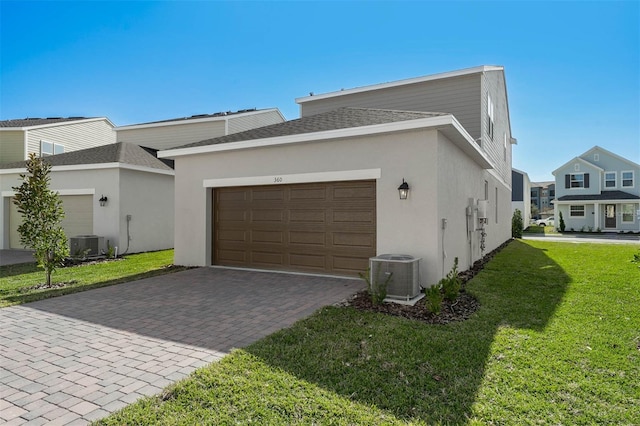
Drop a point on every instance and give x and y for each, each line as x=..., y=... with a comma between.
x=556, y=341
x=21, y=283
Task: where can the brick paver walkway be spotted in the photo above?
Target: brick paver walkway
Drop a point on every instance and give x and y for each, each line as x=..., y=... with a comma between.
x=77, y=358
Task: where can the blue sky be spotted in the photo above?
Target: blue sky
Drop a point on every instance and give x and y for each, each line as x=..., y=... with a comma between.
x=572, y=68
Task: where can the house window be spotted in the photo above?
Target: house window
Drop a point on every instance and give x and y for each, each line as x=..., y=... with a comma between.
x=627, y=179
x=490, y=116
x=50, y=148
x=552, y=193
x=610, y=179
x=576, y=180
x=627, y=213
x=576, y=211
x=576, y=167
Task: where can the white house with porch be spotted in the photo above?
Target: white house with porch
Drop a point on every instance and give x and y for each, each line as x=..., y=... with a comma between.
x=598, y=190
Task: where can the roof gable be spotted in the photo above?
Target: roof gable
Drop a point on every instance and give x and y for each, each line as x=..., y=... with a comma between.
x=601, y=150
x=579, y=160
x=200, y=118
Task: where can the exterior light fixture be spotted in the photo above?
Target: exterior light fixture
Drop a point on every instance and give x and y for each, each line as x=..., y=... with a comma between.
x=403, y=190
x=103, y=201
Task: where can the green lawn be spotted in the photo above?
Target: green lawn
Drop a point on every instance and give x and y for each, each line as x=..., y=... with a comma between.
x=556, y=341
x=16, y=280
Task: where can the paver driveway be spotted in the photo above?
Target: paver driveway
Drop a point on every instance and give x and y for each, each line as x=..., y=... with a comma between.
x=77, y=358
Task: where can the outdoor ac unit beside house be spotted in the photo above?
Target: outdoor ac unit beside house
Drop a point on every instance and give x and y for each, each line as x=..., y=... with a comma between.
x=402, y=271
x=81, y=243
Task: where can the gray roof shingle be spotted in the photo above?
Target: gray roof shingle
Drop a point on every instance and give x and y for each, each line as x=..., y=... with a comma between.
x=341, y=118
x=121, y=152
x=603, y=196
x=28, y=122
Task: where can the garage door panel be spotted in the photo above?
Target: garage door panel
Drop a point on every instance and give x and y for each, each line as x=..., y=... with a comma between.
x=267, y=216
x=308, y=194
x=317, y=238
x=267, y=237
x=306, y=216
x=234, y=195
x=354, y=216
x=267, y=193
x=308, y=261
x=266, y=259
x=353, y=239
x=233, y=257
x=318, y=227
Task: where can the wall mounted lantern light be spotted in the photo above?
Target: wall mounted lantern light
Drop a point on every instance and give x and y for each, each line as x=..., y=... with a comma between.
x=103, y=201
x=403, y=190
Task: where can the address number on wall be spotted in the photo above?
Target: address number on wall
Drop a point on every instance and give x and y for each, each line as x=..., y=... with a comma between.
x=278, y=179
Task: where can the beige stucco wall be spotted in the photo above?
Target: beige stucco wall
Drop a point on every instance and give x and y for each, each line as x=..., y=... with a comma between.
x=148, y=196
x=403, y=226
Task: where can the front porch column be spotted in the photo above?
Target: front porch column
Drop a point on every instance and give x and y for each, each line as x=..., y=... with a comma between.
x=596, y=216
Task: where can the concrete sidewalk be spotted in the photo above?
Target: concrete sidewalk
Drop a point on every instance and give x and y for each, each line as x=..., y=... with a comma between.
x=13, y=257
x=586, y=238
x=77, y=358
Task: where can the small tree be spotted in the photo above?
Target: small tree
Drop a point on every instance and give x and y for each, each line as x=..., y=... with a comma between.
x=562, y=224
x=42, y=213
x=517, y=224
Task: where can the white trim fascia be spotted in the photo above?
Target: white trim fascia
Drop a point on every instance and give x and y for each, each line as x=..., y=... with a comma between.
x=335, y=176
x=62, y=123
x=186, y=120
x=439, y=76
x=600, y=169
x=311, y=137
x=98, y=166
x=26, y=144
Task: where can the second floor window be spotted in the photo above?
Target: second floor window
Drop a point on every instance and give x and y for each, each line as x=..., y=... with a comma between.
x=576, y=180
x=50, y=148
x=610, y=180
x=627, y=179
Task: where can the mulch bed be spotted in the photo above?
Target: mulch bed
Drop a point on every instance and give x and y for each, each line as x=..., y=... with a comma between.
x=458, y=310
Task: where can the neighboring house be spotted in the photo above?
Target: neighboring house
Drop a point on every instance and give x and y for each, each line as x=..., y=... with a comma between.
x=542, y=196
x=138, y=188
x=320, y=193
x=598, y=190
x=520, y=195
x=49, y=136
x=180, y=131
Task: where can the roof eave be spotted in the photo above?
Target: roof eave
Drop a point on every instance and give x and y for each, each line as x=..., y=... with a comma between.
x=60, y=123
x=447, y=124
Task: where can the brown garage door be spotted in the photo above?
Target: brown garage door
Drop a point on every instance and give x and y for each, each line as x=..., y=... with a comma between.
x=317, y=227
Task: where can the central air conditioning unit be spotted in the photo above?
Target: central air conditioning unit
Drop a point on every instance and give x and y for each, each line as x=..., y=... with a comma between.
x=402, y=272
x=86, y=245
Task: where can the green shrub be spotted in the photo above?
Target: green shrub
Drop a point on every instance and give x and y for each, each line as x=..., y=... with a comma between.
x=434, y=299
x=562, y=224
x=517, y=224
x=451, y=284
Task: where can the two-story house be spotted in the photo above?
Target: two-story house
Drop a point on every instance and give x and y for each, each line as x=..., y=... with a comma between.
x=598, y=190
x=49, y=136
x=419, y=166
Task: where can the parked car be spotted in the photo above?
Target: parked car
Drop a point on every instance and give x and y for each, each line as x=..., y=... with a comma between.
x=550, y=221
